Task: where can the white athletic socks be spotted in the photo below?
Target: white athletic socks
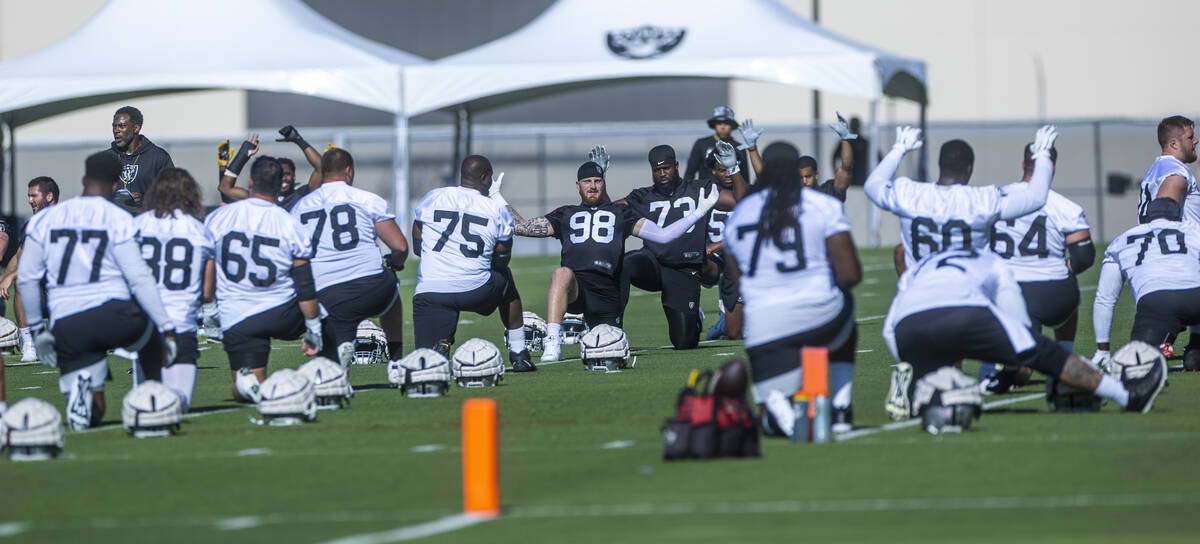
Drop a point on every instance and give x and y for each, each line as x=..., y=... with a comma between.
x=26, y=337
x=553, y=330
x=840, y=380
x=516, y=339
x=181, y=378
x=1112, y=389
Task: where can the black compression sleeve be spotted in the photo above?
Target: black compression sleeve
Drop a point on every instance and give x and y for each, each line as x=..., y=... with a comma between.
x=239, y=160
x=1083, y=254
x=306, y=288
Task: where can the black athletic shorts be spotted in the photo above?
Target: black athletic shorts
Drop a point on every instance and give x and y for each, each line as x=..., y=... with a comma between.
x=776, y=357
x=1050, y=303
x=435, y=315
x=940, y=337
x=599, y=298
x=187, y=347
x=85, y=338
x=729, y=293
x=680, y=287
x=350, y=302
x=248, y=343
x=1162, y=314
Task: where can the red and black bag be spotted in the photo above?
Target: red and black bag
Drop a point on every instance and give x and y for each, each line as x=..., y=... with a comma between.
x=708, y=425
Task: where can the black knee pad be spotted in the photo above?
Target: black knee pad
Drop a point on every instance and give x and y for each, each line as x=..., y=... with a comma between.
x=683, y=328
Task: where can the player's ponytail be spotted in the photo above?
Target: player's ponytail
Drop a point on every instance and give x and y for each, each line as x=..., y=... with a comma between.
x=780, y=179
x=175, y=189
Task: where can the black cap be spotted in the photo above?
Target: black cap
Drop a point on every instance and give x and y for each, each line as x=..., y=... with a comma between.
x=1162, y=208
x=662, y=154
x=102, y=167
x=589, y=170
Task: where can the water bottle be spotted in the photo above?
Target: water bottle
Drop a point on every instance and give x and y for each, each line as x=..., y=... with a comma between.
x=822, y=420
x=800, y=424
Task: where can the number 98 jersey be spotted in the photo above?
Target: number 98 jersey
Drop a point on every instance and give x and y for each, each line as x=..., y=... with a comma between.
x=459, y=231
x=593, y=237
x=254, y=243
x=1034, y=245
x=787, y=287
x=175, y=247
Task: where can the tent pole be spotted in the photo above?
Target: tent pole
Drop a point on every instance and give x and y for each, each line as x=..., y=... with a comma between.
x=922, y=166
x=4, y=181
x=467, y=137
x=459, y=114
x=400, y=170
x=872, y=159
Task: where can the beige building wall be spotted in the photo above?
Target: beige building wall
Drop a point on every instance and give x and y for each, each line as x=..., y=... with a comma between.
x=29, y=25
x=1101, y=58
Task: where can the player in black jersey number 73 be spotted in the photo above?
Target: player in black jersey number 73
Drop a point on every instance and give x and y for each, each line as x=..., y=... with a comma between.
x=593, y=236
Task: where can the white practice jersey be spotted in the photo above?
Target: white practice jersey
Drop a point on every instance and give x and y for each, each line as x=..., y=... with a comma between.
x=1156, y=256
x=1163, y=167
x=787, y=289
x=176, y=248
x=459, y=229
x=340, y=222
x=77, y=238
x=936, y=218
x=958, y=278
x=254, y=242
x=1034, y=245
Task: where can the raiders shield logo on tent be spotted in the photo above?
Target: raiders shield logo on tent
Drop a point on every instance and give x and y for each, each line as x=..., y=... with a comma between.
x=644, y=42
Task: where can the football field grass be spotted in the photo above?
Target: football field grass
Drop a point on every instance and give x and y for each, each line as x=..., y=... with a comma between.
x=581, y=458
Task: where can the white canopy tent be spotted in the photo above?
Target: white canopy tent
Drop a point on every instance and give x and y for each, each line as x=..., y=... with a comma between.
x=578, y=43
x=264, y=45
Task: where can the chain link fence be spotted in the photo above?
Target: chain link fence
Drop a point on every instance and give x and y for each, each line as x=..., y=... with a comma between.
x=539, y=162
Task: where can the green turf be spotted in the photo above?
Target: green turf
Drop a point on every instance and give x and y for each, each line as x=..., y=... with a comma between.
x=1020, y=474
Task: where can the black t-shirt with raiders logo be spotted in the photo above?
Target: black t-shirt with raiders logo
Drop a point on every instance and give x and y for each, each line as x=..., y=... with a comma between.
x=593, y=237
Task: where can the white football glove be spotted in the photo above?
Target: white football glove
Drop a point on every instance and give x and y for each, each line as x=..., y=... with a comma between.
x=494, y=190
x=312, y=333
x=1043, y=141
x=708, y=198
x=908, y=139
x=749, y=134
x=600, y=156
x=1101, y=359
x=170, y=348
x=727, y=157
x=43, y=342
x=842, y=128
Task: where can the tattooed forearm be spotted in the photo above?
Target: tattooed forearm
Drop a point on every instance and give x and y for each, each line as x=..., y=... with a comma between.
x=537, y=227
x=516, y=216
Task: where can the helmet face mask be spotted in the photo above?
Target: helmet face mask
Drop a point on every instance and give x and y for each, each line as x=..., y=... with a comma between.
x=422, y=374
x=370, y=344
x=535, y=332
x=573, y=328
x=604, y=347
x=947, y=400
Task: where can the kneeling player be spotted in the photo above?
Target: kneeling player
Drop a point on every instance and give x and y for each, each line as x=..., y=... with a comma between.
x=85, y=253
x=593, y=237
x=343, y=222
x=264, y=282
x=674, y=268
x=961, y=304
x=790, y=250
x=464, y=240
x=1158, y=258
x=179, y=253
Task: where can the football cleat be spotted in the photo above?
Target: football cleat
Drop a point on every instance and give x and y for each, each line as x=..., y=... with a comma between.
x=79, y=402
x=247, y=385
x=370, y=344
x=779, y=418
x=331, y=382
x=151, y=410
x=424, y=373
x=520, y=362
x=477, y=363
x=573, y=327
x=947, y=400
x=898, y=406
x=1143, y=371
x=535, y=332
x=287, y=398
x=843, y=420
x=31, y=430
x=604, y=348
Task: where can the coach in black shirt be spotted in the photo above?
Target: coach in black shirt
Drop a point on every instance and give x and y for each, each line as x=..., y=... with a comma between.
x=141, y=160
